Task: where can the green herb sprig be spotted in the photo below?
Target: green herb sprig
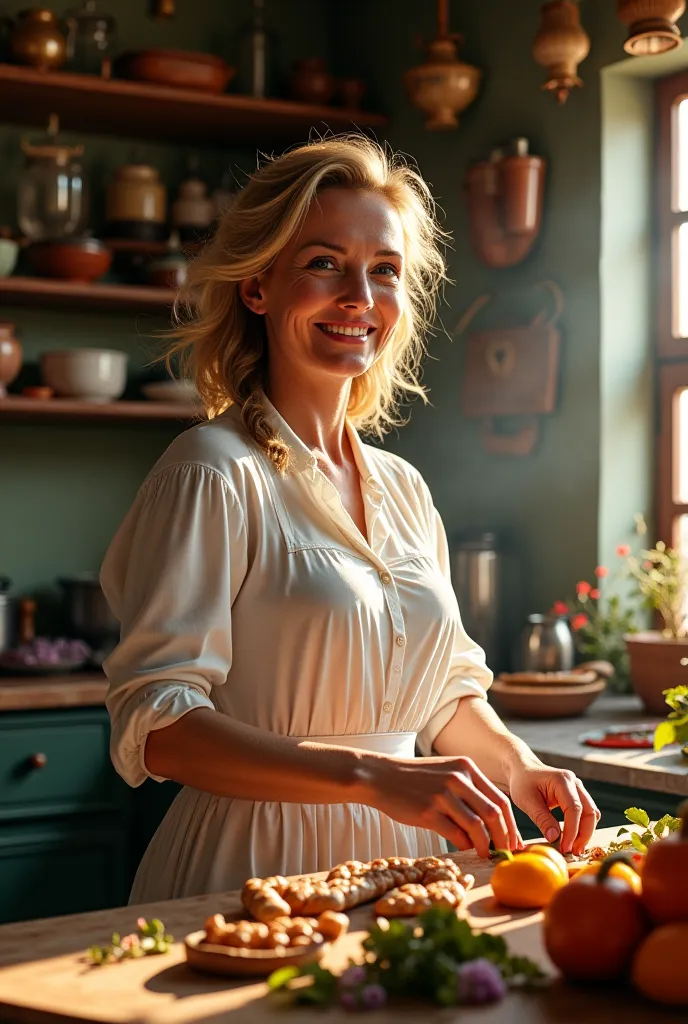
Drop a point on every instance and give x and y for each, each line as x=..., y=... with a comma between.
x=420, y=960
x=675, y=728
x=640, y=841
x=150, y=940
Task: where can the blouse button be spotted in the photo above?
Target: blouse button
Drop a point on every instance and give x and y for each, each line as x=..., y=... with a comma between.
x=387, y=707
x=385, y=578
x=401, y=641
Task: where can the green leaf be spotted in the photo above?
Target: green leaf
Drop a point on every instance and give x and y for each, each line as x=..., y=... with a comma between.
x=281, y=977
x=638, y=843
x=623, y=831
x=665, y=734
x=638, y=816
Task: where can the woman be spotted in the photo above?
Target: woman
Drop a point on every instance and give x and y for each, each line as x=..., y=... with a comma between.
x=288, y=628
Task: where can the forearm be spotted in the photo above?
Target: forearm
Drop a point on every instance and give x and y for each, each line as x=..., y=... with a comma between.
x=212, y=752
x=477, y=731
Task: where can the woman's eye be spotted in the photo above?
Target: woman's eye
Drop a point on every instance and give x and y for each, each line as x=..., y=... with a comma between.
x=388, y=270
x=322, y=263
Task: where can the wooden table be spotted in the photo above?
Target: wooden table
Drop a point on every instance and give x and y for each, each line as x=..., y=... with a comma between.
x=43, y=979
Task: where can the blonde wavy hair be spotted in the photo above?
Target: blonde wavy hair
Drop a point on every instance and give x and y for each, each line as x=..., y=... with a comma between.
x=222, y=344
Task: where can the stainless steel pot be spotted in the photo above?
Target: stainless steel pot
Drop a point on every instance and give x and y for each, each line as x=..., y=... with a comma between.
x=89, y=614
x=8, y=616
x=547, y=645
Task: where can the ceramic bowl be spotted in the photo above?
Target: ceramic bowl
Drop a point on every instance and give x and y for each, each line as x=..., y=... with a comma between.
x=545, y=701
x=180, y=68
x=78, y=259
x=87, y=374
x=9, y=250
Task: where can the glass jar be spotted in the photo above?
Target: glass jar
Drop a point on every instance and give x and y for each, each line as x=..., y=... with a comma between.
x=52, y=195
x=91, y=36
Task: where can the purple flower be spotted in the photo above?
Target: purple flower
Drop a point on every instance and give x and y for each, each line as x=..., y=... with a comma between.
x=373, y=997
x=352, y=976
x=348, y=999
x=479, y=981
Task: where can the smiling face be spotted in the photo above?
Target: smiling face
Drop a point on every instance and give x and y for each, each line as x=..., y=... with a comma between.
x=334, y=295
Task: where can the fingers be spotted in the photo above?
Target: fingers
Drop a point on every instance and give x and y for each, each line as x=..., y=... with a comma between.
x=489, y=790
x=450, y=831
x=588, y=821
x=569, y=799
x=488, y=813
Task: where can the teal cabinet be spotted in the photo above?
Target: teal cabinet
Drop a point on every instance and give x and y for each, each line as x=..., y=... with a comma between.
x=67, y=841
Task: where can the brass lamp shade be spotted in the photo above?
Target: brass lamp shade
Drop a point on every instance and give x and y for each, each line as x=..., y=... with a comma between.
x=652, y=27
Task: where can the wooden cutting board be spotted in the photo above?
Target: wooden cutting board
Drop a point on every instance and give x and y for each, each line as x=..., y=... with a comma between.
x=43, y=979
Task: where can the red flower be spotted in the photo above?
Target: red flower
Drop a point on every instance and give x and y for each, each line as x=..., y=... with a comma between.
x=560, y=608
x=578, y=621
x=601, y=571
x=595, y=594
x=583, y=588
x=647, y=565
x=623, y=550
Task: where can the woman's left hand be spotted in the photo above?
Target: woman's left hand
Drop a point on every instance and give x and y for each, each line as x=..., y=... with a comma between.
x=537, y=789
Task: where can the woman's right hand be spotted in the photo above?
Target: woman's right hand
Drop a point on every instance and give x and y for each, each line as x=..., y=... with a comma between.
x=448, y=795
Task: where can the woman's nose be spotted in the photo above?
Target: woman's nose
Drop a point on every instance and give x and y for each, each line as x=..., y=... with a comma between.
x=356, y=292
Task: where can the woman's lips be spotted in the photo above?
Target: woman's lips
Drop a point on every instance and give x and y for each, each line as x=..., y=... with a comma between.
x=343, y=336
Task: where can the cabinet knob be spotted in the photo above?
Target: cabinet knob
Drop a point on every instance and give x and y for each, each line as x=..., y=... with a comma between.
x=38, y=760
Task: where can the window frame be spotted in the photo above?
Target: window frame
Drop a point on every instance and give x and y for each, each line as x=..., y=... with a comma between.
x=669, y=92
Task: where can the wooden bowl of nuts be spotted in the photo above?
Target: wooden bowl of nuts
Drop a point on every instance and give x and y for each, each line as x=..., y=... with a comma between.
x=254, y=948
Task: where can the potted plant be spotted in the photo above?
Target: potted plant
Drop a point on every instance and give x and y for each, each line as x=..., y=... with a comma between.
x=658, y=657
x=600, y=622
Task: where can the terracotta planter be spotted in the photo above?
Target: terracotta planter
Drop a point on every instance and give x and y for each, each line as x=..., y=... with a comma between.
x=656, y=664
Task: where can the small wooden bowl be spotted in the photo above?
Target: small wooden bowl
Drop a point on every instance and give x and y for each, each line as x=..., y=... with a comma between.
x=545, y=701
x=84, y=259
x=211, y=959
x=182, y=69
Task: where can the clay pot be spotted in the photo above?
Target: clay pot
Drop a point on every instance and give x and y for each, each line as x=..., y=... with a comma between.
x=168, y=271
x=193, y=211
x=350, y=92
x=311, y=82
x=651, y=25
x=656, y=664
x=136, y=205
x=70, y=259
x=37, y=40
x=10, y=356
x=444, y=86
x=560, y=45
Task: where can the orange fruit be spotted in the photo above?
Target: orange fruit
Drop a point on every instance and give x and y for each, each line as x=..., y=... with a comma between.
x=527, y=881
x=659, y=965
x=551, y=854
x=623, y=871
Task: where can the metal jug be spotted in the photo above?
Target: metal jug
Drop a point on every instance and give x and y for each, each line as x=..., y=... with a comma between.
x=546, y=645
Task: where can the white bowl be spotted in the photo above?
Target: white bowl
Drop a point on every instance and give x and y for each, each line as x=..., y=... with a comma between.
x=170, y=390
x=88, y=374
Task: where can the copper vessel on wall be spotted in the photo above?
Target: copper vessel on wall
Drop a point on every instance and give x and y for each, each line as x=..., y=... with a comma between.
x=651, y=24
x=505, y=197
x=37, y=40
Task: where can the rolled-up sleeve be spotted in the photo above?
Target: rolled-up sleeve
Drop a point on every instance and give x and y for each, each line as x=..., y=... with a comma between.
x=468, y=675
x=170, y=576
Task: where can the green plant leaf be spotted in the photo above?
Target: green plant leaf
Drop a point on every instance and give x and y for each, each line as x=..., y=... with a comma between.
x=665, y=734
x=623, y=831
x=282, y=976
x=637, y=816
x=638, y=844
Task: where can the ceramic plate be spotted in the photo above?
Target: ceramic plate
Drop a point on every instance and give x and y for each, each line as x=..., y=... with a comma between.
x=211, y=959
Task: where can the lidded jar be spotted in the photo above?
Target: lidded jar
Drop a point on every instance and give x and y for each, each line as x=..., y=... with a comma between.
x=52, y=194
x=91, y=36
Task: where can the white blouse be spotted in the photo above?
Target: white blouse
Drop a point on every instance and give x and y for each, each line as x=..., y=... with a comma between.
x=255, y=594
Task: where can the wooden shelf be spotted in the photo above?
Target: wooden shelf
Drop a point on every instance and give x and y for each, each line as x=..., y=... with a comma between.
x=28, y=693
x=87, y=103
x=43, y=291
x=20, y=409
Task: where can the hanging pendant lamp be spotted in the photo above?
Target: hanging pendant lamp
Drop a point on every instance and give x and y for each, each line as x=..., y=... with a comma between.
x=560, y=45
x=652, y=27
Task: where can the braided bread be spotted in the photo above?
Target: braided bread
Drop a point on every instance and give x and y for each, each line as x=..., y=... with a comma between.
x=282, y=932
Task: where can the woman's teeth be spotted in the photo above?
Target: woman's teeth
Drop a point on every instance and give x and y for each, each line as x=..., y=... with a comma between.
x=355, y=332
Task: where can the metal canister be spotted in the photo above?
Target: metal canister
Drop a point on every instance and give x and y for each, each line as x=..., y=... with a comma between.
x=546, y=645
x=477, y=580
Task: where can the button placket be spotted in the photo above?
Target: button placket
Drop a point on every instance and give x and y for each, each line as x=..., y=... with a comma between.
x=393, y=680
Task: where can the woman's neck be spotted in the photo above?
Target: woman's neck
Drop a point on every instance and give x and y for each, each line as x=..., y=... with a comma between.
x=316, y=414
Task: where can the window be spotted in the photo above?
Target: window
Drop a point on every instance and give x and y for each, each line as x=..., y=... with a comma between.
x=672, y=310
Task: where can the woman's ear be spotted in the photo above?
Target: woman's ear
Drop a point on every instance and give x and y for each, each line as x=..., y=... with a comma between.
x=252, y=294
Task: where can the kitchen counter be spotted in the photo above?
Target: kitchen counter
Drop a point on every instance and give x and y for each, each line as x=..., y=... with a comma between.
x=557, y=742
x=43, y=979
x=29, y=693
